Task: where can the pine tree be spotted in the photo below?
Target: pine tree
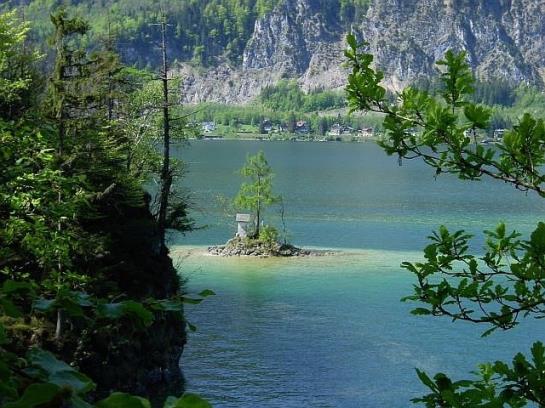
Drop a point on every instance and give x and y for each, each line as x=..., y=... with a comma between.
x=256, y=195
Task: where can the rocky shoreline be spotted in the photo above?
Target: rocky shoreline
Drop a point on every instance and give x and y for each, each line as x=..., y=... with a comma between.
x=247, y=247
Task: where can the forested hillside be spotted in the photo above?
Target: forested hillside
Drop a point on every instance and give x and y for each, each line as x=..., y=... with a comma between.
x=229, y=50
x=201, y=30
x=90, y=301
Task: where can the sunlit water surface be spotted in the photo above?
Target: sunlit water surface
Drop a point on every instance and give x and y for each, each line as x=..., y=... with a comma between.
x=331, y=331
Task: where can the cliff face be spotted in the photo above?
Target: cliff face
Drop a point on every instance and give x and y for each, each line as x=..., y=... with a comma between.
x=504, y=39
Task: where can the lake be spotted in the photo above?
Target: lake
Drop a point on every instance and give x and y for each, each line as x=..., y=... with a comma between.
x=331, y=331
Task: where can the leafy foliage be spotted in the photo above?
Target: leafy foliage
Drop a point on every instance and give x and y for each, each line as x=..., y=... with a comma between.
x=14, y=87
x=68, y=199
x=43, y=378
x=286, y=96
x=205, y=29
x=498, y=385
x=268, y=234
x=506, y=283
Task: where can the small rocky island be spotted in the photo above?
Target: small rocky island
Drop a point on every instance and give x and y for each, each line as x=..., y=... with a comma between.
x=265, y=245
x=253, y=238
x=239, y=246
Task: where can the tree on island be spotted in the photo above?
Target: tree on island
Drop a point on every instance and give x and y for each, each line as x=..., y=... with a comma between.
x=257, y=194
x=505, y=284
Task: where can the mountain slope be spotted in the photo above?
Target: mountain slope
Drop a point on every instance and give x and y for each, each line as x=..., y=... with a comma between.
x=505, y=40
x=230, y=49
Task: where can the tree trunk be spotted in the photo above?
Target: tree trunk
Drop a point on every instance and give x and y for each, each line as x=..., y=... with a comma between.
x=166, y=177
x=258, y=210
x=60, y=323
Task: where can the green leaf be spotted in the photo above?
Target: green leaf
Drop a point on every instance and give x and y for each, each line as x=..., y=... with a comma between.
x=137, y=310
x=80, y=298
x=420, y=311
x=537, y=238
x=110, y=310
x=77, y=402
x=169, y=305
x=57, y=372
x=351, y=40
x=538, y=354
x=191, y=301
x=73, y=379
x=478, y=115
x=187, y=401
x=10, y=309
x=43, y=305
x=121, y=400
x=427, y=381
x=11, y=286
x=36, y=395
x=206, y=293
x=127, y=308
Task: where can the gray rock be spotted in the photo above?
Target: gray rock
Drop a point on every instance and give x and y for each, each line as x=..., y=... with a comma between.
x=504, y=40
x=241, y=247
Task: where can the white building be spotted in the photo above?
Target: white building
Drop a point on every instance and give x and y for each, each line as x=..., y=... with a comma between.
x=243, y=225
x=499, y=133
x=208, y=127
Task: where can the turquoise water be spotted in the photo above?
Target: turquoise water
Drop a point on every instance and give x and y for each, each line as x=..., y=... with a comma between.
x=331, y=331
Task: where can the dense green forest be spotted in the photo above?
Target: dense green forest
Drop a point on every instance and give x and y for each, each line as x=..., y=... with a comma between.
x=286, y=96
x=90, y=301
x=508, y=102
x=503, y=96
x=202, y=30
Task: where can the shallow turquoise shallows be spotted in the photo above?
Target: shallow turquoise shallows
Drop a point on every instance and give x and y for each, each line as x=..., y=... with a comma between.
x=331, y=331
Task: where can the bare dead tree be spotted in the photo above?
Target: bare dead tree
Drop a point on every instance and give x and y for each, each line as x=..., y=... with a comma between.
x=166, y=171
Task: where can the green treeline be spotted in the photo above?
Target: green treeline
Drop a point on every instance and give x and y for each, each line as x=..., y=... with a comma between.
x=285, y=103
x=286, y=96
x=83, y=277
x=507, y=101
x=201, y=30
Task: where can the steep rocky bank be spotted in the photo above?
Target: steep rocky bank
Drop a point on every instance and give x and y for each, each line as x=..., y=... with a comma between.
x=123, y=356
x=504, y=39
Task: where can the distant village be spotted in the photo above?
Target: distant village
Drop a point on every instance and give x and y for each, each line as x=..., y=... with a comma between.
x=299, y=130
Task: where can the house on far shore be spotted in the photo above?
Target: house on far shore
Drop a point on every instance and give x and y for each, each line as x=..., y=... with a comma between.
x=280, y=128
x=340, y=130
x=266, y=126
x=499, y=133
x=335, y=130
x=244, y=223
x=302, y=127
x=208, y=127
x=365, y=133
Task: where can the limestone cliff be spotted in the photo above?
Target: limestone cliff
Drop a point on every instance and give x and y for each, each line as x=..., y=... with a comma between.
x=505, y=39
